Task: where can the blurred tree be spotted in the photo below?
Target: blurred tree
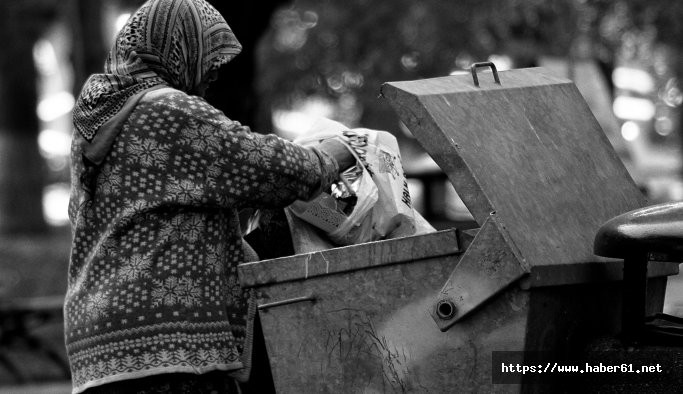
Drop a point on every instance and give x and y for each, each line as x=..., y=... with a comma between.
x=21, y=166
x=654, y=36
x=344, y=51
x=234, y=92
x=88, y=47
x=341, y=52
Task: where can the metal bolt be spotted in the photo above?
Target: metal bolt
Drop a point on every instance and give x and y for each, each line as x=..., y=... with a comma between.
x=446, y=309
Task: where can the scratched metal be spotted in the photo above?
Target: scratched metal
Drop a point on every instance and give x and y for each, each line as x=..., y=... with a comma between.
x=350, y=258
x=528, y=149
x=488, y=266
x=370, y=331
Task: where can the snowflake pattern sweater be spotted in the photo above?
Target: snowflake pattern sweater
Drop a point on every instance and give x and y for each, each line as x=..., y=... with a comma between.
x=153, y=284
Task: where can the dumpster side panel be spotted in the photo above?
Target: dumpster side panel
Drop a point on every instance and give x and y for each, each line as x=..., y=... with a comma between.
x=370, y=331
x=566, y=322
x=567, y=318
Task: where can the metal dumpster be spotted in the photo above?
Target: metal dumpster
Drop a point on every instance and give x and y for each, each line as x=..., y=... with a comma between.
x=424, y=314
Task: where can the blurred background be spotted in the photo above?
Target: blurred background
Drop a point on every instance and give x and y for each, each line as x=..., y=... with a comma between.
x=304, y=59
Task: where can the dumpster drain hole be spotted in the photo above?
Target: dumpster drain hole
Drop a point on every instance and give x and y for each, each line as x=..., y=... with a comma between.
x=445, y=309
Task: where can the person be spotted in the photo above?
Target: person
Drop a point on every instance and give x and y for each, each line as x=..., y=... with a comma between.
x=158, y=175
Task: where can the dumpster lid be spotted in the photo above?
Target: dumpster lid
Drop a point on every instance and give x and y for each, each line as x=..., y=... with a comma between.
x=527, y=149
x=531, y=163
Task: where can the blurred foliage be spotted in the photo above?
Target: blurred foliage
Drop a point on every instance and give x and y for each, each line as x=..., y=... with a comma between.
x=663, y=19
x=21, y=167
x=344, y=51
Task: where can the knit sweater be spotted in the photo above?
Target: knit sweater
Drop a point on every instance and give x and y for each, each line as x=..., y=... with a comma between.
x=153, y=284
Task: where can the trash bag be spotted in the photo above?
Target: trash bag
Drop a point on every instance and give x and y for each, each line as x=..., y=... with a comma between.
x=372, y=201
x=344, y=212
x=393, y=214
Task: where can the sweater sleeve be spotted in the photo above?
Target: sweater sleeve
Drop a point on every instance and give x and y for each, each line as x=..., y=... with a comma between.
x=182, y=151
x=255, y=170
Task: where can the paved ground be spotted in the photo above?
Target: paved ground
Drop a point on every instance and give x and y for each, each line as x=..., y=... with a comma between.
x=33, y=267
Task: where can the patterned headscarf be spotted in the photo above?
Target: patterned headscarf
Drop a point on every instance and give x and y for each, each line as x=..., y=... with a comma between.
x=166, y=42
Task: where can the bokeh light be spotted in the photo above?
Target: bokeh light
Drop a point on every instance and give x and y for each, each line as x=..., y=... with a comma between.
x=630, y=131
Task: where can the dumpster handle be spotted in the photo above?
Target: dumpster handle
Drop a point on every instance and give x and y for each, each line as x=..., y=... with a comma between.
x=294, y=300
x=473, y=69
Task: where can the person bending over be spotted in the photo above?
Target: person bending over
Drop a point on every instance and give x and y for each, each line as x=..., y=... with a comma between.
x=158, y=175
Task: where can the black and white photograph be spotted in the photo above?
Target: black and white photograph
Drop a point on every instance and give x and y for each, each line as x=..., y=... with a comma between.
x=341, y=197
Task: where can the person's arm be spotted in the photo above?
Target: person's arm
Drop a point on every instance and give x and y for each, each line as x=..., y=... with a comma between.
x=339, y=151
x=201, y=158
x=255, y=170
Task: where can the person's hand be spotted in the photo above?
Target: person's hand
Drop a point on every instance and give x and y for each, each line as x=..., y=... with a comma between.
x=339, y=151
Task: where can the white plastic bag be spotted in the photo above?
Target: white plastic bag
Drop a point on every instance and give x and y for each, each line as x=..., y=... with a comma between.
x=331, y=215
x=393, y=214
x=389, y=215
